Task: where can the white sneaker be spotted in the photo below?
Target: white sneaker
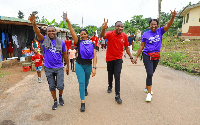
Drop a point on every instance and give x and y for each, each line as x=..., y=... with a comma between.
x=39, y=80
x=148, y=98
x=146, y=91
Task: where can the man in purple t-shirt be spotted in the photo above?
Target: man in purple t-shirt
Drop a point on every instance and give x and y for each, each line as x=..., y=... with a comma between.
x=54, y=49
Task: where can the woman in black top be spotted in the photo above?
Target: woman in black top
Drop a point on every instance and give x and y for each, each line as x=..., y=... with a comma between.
x=83, y=66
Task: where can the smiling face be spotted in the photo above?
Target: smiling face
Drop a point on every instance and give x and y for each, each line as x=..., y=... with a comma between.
x=119, y=28
x=153, y=26
x=51, y=32
x=35, y=51
x=83, y=35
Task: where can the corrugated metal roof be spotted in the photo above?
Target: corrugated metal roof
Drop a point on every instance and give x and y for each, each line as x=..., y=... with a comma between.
x=4, y=18
x=188, y=8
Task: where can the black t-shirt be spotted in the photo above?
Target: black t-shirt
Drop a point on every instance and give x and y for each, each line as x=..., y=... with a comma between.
x=79, y=59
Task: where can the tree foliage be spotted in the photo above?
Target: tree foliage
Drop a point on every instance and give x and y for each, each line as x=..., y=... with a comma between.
x=20, y=14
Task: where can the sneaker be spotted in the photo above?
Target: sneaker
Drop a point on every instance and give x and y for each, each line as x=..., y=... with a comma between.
x=86, y=92
x=39, y=80
x=148, y=98
x=82, y=107
x=61, y=101
x=55, y=105
x=146, y=91
x=109, y=90
x=117, y=99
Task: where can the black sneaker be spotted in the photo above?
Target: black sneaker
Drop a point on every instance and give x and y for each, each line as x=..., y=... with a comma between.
x=61, y=101
x=109, y=90
x=117, y=99
x=82, y=107
x=55, y=105
x=86, y=92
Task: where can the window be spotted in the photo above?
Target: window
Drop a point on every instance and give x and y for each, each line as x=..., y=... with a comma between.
x=187, y=19
x=184, y=20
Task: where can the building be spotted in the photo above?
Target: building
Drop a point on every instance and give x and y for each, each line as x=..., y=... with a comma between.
x=20, y=28
x=191, y=22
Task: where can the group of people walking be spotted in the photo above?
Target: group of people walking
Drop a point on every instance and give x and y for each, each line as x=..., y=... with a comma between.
x=86, y=62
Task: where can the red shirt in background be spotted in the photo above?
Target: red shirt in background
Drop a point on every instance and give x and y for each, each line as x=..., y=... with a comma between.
x=38, y=59
x=94, y=38
x=68, y=43
x=115, y=45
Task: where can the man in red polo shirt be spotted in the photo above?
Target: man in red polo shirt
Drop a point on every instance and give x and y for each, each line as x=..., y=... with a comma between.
x=95, y=39
x=116, y=40
x=68, y=43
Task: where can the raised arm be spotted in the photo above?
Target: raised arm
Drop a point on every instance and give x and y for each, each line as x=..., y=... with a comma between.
x=74, y=36
x=35, y=28
x=167, y=26
x=104, y=27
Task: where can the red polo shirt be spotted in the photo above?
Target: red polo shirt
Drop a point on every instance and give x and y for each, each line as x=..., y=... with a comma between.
x=94, y=38
x=115, y=45
x=68, y=43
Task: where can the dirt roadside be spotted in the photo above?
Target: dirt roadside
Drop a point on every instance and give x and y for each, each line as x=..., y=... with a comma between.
x=175, y=101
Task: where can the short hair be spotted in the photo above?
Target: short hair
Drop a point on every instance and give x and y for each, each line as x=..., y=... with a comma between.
x=153, y=20
x=118, y=22
x=51, y=26
x=83, y=30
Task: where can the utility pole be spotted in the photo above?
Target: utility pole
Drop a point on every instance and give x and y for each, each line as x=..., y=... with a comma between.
x=159, y=11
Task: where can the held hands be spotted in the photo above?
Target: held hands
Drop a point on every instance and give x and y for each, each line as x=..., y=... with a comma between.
x=134, y=60
x=32, y=18
x=104, y=25
x=93, y=72
x=173, y=13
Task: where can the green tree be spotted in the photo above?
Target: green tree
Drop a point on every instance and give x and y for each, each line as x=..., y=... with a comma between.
x=76, y=28
x=90, y=29
x=49, y=23
x=36, y=17
x=138, y=22
x=128, y=28
x=20, y=14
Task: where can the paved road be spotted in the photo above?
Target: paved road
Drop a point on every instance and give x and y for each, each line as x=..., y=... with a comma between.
x=175, y=101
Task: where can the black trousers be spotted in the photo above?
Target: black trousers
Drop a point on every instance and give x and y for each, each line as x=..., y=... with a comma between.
x=150, y=66
x=72, y=64
x=114, y=68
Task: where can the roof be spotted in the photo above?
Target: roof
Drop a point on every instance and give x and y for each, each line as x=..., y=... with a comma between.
x=17, y=21
x=188, y=8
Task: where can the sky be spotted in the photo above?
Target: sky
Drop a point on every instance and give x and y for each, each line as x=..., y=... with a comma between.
x=92, y=11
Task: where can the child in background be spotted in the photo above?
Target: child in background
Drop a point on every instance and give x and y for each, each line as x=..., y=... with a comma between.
x=72, y=53
x=37, y=59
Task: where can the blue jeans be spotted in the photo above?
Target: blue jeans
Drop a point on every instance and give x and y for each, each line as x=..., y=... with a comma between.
x=83, y=73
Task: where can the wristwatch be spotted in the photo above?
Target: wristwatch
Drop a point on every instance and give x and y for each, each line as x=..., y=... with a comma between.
x=131, y=57
x=95, y=67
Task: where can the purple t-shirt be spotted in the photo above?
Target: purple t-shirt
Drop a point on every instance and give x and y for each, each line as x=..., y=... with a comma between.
x=52, y=58
x=153, y=40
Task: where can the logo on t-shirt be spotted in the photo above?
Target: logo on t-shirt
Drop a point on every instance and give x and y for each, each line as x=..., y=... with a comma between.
x=87, y=42
x=53, y=50
x=122, y=40
x=154, y=39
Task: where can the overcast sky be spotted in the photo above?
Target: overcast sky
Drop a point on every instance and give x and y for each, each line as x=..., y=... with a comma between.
x=93, y=11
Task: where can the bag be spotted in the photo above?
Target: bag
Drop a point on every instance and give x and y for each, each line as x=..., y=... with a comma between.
x=154, y=55
x=86, y=49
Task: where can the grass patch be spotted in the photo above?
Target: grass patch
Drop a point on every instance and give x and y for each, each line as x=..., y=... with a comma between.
x=3, y=73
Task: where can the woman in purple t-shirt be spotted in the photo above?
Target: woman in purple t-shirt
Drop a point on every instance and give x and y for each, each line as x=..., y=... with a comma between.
x=86, y=61
x=151, y=43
